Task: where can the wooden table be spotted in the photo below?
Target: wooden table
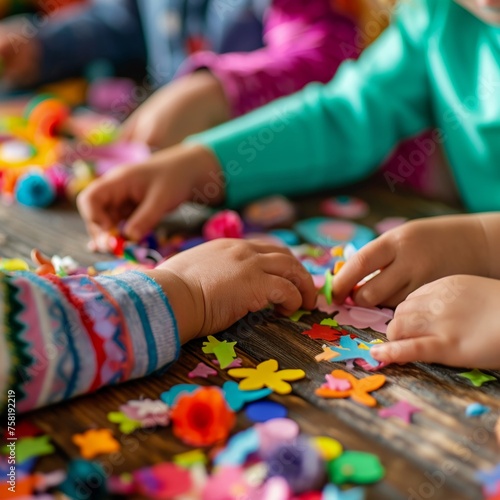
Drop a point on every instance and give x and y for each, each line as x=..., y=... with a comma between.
x=435, y=457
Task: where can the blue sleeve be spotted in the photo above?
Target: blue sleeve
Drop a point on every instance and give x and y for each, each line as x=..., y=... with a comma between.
x=104, y=29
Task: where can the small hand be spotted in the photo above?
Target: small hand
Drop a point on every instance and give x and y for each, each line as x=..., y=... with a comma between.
x=188, y=105
x=142, y=194
x=411, y=255
x=212, y=286
x=452, y=321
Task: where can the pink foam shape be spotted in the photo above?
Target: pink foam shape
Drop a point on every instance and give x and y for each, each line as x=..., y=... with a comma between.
x=337, y=384
x=202, y=370
x=364, y=317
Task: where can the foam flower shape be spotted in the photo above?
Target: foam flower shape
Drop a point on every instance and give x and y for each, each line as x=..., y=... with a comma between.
x=266, y=374
x=359, y=390
x=126, y=424
x=148, y=412
x=203, y=417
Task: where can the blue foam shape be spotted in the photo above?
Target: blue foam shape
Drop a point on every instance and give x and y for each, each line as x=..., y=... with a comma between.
x=239, y=448
x=353, y=351
x=332, y=492
x=170, y=397
x=262, y=411
x=476, y=410
x=237, y=398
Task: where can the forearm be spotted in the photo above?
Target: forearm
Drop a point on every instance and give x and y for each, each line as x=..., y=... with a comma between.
x=69, y=336
x=489, y=231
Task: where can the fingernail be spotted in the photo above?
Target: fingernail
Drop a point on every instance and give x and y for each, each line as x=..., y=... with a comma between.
x=380, y=353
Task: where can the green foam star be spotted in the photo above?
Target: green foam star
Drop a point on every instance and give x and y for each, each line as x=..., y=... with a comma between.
x=31, y=447
x=477, y=377
x=125, y=424
x=224, y=351
x=298, y=314
x=329, y=322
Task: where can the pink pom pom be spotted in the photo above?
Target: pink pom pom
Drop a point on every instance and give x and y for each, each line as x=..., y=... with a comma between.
x=225, y=224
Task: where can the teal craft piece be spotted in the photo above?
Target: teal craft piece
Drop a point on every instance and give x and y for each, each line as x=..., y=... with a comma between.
x=349, y=349
x=332, y=492
x=239, y=447
x=170, y=397
x=236, y=398
x=328, y=232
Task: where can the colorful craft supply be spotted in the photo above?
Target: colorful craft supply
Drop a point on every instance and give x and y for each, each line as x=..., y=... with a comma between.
x=262, y=411
x=202, y=370
x=477, y=377
x=287, y=236
x=364, y=317
x=228, y=483
x=321, y=332
x=359, y=391
x=276, y=432
x=237, y=398
x=276, y=488
x=350, y=349
x=327, y=447
x=476, y=410
x=171, y=396
x=356, y=467
x=239, y=448
x=125, y=423
x=85, y=480
x=34, y=189
x=236, y=363
x=224, y=351
x=13, y=265
x=489, y=479
x=298, y=314
x=190, y=458
x=96, y=442
x=337, y=384
x=299, y=463
x=402, y=410
x=224, y=224
x=329, y=322
x=266, y=374
x=332, y=492
x=327, y=289
x=269, y=212
x=202, y=418
x=327, y=232
x=29, y=447
x=162, y=481
x=346, y=207
x=326, y=355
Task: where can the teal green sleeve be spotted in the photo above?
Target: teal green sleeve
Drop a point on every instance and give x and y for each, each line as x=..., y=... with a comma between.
x=330, y=135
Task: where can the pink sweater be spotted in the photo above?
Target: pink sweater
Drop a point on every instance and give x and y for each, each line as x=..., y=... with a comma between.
x=305, y=41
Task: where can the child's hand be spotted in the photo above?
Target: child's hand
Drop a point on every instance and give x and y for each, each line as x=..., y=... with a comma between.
x=191, y=104
x=214, y=285
x=19, y=54
x=453, y=321
x=411, y=255
x=141, y=194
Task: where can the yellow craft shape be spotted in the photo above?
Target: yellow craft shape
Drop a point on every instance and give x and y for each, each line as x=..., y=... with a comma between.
x=328, y=448
x=266, y=374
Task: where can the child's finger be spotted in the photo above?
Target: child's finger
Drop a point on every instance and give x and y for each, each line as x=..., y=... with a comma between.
x=283, y=294
x=424, y=349
x=290, y=268
x=378, y=254
x=381, y=288
x=148, y=213
x=92, y=204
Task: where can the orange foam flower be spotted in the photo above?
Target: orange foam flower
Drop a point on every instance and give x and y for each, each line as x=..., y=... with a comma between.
x=359, y=388
x=202, y=418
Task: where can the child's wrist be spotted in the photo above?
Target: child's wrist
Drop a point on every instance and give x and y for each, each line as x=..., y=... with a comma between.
x=182, y=301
